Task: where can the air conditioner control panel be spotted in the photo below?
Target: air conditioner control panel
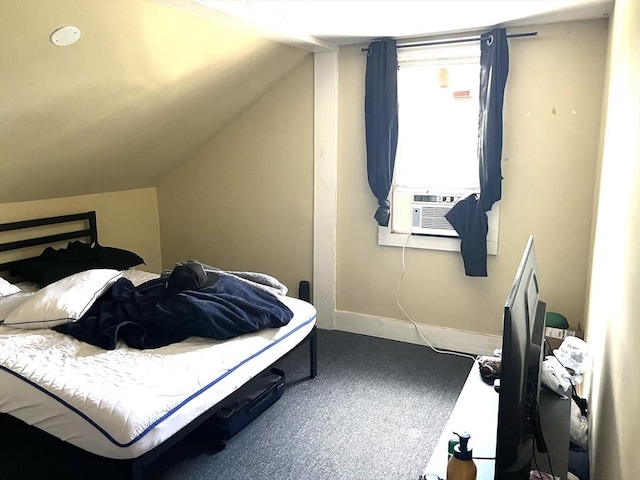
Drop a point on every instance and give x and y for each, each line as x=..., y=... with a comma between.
x=437, y=198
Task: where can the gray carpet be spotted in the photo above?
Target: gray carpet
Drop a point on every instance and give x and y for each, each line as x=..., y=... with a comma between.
x=375, y=410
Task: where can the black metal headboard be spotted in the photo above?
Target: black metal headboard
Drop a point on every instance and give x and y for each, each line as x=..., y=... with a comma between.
x=91, y=232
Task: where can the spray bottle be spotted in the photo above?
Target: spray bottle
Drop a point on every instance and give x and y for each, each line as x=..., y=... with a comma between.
x=461, y=466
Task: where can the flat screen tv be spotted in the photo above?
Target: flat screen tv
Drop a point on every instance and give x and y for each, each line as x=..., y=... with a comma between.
x=522, y=354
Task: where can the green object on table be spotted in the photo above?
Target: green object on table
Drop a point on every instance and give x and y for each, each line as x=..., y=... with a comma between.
x=556, y=320
x=452, y=443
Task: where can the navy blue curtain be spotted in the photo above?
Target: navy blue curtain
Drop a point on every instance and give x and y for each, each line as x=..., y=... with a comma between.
x=381, y=120
x=469, y=217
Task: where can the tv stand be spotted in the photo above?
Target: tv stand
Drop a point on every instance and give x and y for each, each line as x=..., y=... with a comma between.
x=476, y=411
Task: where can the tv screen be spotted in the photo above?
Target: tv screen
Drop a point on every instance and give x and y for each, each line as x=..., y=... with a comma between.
x=523, y=327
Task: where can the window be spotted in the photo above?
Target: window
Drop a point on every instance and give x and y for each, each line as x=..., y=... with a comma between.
x=436, y=160
x=438, y=118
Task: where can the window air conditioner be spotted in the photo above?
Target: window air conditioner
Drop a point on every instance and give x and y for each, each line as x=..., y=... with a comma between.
x=428, y=214
x=422, y=212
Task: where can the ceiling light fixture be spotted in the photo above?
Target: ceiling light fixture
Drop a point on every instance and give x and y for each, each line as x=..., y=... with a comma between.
x=65, y=36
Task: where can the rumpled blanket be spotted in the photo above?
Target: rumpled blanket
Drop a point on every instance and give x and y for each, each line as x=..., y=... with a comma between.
x=172, y=308
x=261, y=281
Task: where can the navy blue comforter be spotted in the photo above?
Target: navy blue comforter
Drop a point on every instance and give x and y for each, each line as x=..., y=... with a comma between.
x=153, y=315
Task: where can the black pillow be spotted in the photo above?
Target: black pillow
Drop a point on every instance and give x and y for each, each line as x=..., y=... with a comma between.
x=53, y=265
x=45, y=271
x=110, y=257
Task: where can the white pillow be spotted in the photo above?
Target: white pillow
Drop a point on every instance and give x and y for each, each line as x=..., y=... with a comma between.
x=63, y=301
x=9, y=303
x=7, y=288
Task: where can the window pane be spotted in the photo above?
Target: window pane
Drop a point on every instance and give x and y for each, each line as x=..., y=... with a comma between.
x=438, y=124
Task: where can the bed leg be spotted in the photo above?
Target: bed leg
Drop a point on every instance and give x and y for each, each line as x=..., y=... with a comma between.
x=313, y=353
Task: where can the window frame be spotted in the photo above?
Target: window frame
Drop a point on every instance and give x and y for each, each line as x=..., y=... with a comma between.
x=429, y=241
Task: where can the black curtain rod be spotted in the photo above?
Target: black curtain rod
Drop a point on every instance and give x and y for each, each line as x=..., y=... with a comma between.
x=457, y=40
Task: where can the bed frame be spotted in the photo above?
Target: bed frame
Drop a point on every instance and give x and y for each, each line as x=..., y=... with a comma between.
x=91, y=232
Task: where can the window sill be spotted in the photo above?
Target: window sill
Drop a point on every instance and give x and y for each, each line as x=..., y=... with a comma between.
x=426, y=242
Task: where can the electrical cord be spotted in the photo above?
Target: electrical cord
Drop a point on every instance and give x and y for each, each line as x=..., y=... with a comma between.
x=535, y=460
x=550, y=466
x=542, y=447
x=437, y=350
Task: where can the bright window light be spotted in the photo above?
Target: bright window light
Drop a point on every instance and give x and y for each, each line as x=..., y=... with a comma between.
x=438, y=118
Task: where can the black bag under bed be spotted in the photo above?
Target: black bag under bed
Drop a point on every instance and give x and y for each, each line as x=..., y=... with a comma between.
x=245, y=405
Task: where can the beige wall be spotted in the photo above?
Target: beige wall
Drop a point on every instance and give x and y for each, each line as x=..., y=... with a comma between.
x=613, y=318
x=549, y=164
x=245, y=200
x=125, y=219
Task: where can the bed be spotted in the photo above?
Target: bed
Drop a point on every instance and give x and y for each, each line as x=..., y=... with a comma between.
x=127, y=403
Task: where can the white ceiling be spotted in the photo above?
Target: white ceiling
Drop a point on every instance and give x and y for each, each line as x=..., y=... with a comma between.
x=344, y=22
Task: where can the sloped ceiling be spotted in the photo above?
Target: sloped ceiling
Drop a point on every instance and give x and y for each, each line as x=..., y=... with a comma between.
x=141, y=90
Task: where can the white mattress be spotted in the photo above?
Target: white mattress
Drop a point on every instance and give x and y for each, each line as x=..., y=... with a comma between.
x=122, y=403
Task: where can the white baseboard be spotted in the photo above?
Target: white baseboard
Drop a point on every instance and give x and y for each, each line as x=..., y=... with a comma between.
x=439, y=337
